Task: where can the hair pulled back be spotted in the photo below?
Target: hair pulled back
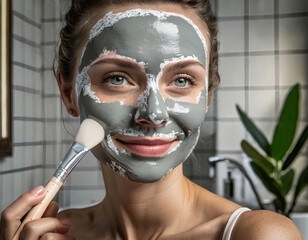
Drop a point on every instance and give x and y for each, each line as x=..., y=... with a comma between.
x=74, y=33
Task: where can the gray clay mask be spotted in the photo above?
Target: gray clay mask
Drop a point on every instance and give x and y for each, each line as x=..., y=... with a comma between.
x=154, y=40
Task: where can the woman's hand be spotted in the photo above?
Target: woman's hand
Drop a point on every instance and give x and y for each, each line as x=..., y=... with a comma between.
x=48, y=227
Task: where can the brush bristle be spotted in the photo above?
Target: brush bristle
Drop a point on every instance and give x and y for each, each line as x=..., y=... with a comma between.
x=90, y=133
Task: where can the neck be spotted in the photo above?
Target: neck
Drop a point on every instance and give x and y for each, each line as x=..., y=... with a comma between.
x=137, y=210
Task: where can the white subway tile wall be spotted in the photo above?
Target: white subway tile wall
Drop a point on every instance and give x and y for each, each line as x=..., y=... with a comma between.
x=299, y=71
x=229, y=135
x=24, y=169
x=274, y=50
x=230, y=8
x=261, y=35
x=295, y=6
x=39, y=139
x=261, y=7
x=233, y=33
x=226, y=101
x=232, y=69
x=263, y=52
x=293, y=33
x=262, y=71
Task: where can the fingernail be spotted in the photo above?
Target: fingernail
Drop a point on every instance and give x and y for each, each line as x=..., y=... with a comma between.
x=65, y=223
x=37, y=191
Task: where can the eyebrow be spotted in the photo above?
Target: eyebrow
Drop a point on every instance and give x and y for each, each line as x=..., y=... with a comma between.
x=181, y=65
x=120, y=62
x=135, y=66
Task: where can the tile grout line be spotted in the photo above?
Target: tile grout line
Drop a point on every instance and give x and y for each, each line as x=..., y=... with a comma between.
x=21, y=170
x=12, y=162
x=44, y=157
x=277, y=58
x=261, y=17
x=26, y=19
x=263, y=52
x=25, y=41
x=25, y=66
x=246, y=64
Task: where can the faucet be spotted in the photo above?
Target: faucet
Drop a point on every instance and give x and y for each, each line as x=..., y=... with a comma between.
x=216, y=159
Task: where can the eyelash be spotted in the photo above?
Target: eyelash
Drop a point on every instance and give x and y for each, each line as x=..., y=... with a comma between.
x=187, y=77
x=114, y=74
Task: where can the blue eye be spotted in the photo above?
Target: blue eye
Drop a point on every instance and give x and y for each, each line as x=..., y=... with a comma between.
x=181, y=82
x=117, y=80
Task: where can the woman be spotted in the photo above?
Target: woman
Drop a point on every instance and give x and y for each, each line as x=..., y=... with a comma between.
x=145, y=70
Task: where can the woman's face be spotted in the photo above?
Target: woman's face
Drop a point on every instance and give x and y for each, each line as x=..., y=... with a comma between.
x=143, y=76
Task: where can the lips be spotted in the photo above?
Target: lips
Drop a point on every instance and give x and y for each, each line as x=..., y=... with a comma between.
x=146, y=147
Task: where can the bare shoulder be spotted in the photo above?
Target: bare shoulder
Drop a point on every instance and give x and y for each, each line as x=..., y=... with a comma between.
x=253, y=225
x=212, y=204
x=263, y=224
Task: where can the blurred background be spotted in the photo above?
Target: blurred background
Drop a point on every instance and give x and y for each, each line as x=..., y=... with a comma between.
x=263, y=52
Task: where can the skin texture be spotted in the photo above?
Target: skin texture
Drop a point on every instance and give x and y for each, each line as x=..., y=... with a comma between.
x=158, y=101
x=45, y=228
x=172, y=208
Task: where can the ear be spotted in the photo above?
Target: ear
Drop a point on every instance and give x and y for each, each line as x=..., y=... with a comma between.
x=68, y=94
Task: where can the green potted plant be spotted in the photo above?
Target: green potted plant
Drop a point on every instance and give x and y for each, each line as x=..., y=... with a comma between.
x=273, y=165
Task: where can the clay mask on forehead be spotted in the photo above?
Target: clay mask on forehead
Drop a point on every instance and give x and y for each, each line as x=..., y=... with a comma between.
x=154, y=40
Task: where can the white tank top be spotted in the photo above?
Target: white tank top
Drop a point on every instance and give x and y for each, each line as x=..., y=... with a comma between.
x=231, y=222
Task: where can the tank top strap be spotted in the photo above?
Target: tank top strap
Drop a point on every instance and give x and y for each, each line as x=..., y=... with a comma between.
x=231, y=222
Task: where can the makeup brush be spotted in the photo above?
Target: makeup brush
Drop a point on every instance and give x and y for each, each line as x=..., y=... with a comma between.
x=89, y=135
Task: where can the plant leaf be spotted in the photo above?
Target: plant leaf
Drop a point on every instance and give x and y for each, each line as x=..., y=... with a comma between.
x=259, y=159
x=254, y=131
x=287, y=180
x=300, y=143
x=268, y=182
x=302, y=183
x=280, y=205
x=286, y=127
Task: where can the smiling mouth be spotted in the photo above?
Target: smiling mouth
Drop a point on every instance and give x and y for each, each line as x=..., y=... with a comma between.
x=145, y=146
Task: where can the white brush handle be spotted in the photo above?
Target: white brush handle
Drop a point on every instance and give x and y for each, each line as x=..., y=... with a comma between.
x=37, y=212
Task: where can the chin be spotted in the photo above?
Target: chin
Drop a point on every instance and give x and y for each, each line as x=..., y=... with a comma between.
x=136, y=168
x=144, y=169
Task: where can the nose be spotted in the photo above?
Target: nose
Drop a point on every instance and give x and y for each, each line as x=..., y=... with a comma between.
x=152, y=113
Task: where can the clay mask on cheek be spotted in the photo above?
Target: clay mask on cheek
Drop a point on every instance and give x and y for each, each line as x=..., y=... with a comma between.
x=153, y=39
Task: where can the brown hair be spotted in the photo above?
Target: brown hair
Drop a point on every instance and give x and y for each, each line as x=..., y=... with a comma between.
x=73, y=34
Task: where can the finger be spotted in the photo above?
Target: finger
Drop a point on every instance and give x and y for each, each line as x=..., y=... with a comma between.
x=10, y=217
x=56, y=236
x=51, y=210
x=35, y=229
